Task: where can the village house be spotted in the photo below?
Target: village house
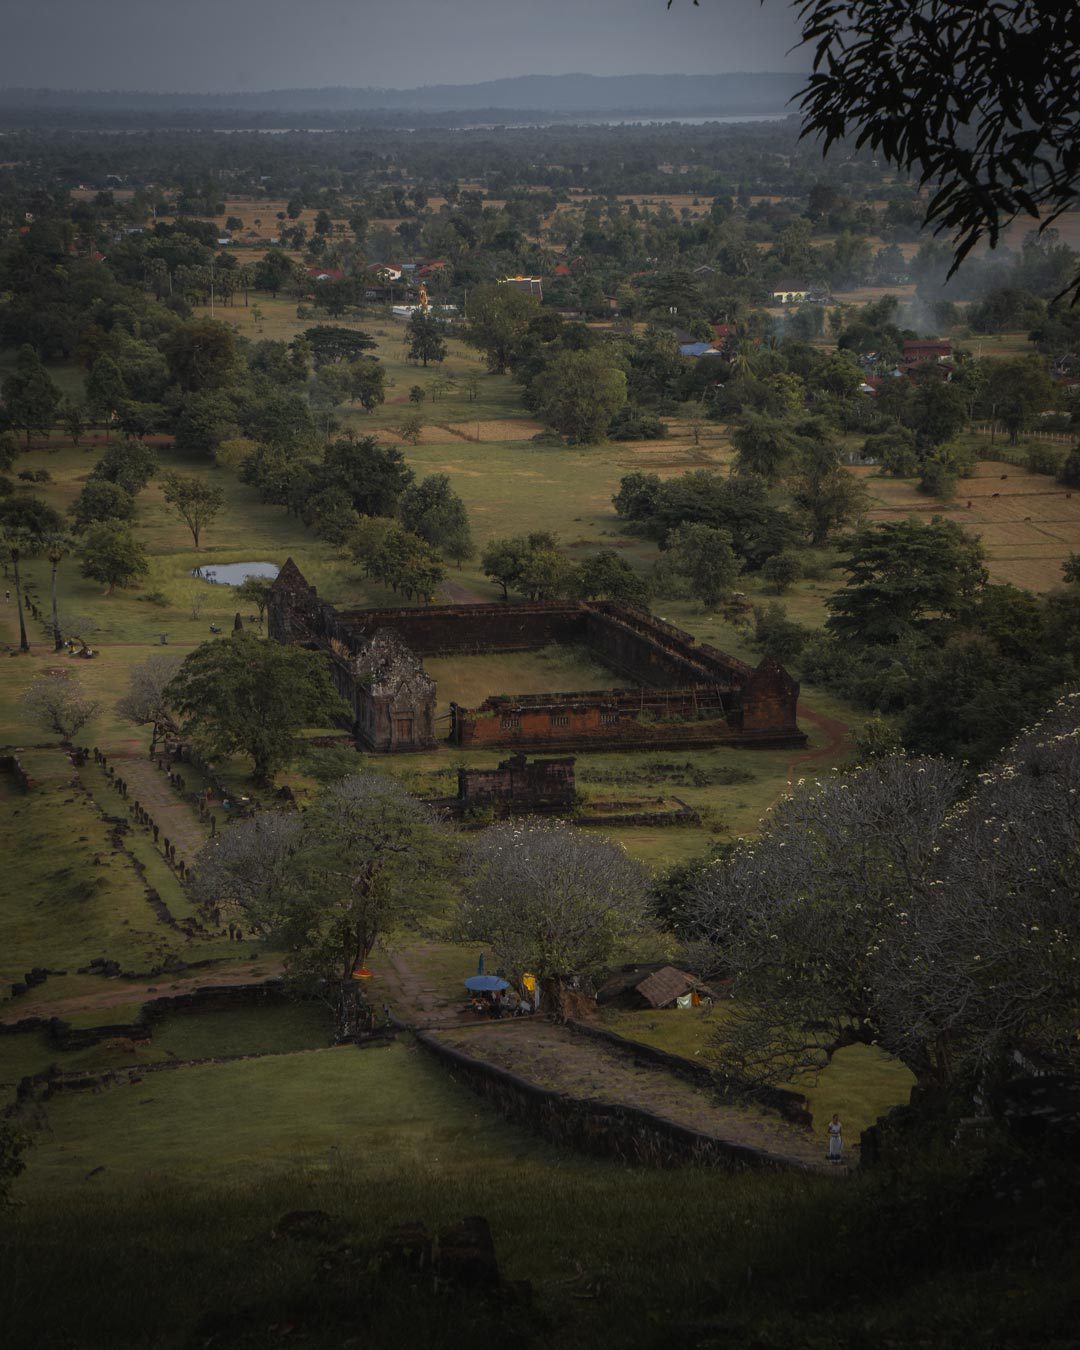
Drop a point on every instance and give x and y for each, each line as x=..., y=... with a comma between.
x=917, y=351
x=530, y=285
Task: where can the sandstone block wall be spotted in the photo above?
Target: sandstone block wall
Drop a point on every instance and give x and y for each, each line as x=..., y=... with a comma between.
x=690, y=695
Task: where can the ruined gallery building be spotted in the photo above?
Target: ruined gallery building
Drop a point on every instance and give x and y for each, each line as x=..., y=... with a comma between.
x=677, y=692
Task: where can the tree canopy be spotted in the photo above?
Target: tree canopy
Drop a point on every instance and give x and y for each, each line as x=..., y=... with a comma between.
x=242, y=695
x=900, y=572
x=363, y=864
x=889, y=906
x=111, y=554
x=551, y=900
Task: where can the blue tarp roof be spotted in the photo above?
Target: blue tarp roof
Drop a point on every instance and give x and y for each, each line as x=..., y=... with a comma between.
x=485, y=983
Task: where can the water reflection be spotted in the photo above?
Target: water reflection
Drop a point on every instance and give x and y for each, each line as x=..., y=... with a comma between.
x=232, y=574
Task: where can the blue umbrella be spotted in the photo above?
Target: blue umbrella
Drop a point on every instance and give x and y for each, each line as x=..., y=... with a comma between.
x=486, y=983
x=481, y=983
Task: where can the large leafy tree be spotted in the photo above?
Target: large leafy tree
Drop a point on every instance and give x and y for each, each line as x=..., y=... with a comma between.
x=607, y=576
x=274, y=271
x=329, y=343
x=902, y=572
x=579, y=392
x=363, y=865
x=367, y=382
x=426, y=338
x=130, y=464
x=877, y=908
x=976, y=99
x=106, y=389
x=202, y=355
x=739, y=505
x=245, y=696
x=764, y=446
x=1021, y=389
x=112, y=555
x=31, y=400
x=101, y=500
x=371, y=862
x=434, y=511
x=374, y=475
x=195, y=501
x=520, y=560
x=799, y=914
x=704, y=558
x=499, y=319
x=828, y=495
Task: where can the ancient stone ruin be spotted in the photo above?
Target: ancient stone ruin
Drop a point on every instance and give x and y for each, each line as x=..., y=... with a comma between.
x=517, y=786
x=679, y=692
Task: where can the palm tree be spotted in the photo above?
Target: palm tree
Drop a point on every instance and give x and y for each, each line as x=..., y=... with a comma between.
x=15, y=544
x=57, y=547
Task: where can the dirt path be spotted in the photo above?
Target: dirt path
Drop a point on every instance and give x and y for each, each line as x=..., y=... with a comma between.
x=836, y=732
x=150, y=787
x=117, y=993
x=456, y=593
x=555, y=1057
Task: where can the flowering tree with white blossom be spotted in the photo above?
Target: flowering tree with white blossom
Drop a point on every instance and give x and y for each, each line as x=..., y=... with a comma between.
x=887, y=906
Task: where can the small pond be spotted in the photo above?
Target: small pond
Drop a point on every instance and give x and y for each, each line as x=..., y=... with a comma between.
x=232, y=574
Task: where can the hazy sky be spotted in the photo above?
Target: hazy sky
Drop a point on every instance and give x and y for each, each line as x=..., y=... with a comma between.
x=208, y=45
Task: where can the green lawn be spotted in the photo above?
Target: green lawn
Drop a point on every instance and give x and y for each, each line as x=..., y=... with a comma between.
x=182, y=1179
x=70, y=896
x=861, y=1083
x=274, y=1029
x=468, y=680
x=253, y=1119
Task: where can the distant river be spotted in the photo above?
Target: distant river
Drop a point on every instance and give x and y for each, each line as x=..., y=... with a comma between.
x=570, y=120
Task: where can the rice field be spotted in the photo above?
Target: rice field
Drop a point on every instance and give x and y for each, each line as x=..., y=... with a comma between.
x=1027, y=523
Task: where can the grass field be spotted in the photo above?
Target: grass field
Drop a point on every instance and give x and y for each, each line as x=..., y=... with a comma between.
x=274, y=1029
x=73, y=895
x=509, y=484
x=1028, y=524
x=861, y=1083
x=183, y=1178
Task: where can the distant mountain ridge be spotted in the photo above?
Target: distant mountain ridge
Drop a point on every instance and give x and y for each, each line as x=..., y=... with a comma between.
x=732, y=95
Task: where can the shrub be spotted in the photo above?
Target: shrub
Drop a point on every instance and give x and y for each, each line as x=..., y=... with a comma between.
x=1046, y=459
x=777, y=635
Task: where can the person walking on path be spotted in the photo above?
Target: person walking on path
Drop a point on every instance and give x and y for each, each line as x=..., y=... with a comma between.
x=835, y=1153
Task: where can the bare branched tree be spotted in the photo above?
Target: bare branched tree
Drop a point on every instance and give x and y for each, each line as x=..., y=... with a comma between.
x=60, y=704
x=246, y=869
x=145, y=703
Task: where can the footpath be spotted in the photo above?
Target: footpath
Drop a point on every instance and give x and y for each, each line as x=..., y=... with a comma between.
x=553, y=1057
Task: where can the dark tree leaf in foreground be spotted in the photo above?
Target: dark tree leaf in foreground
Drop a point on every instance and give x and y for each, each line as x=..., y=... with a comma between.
x=978, y=100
